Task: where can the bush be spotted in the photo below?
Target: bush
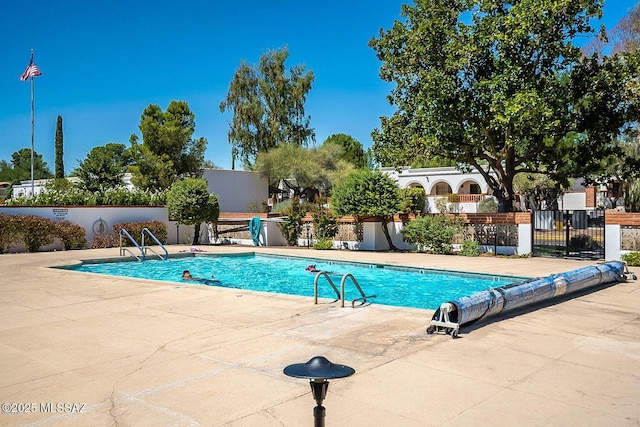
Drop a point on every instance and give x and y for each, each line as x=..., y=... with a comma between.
x=632, y=259
x=60, y=195
x=433, y=233
x=101, y=241
x=470, y=248
x=323, y=244
x=282, y=206
x=8, y=232
x=291, y=227
x=441, y=204
x=325, y=224
x=33, y=231
x=73, y=236
x=157, y=228
x=488, y=205
x=412, y=200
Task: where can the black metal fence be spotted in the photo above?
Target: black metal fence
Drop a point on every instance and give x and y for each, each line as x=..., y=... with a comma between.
x=569, y=233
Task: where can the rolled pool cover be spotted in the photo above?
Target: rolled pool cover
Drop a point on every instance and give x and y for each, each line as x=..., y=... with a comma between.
x=498, y=300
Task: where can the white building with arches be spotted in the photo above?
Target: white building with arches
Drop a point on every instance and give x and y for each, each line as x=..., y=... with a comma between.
x=462, y=190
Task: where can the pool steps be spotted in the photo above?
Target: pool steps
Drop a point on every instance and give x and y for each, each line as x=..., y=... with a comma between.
x=340, y=294
x=143, y=248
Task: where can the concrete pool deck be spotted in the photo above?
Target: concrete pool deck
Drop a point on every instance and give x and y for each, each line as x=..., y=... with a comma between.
x=132, y=352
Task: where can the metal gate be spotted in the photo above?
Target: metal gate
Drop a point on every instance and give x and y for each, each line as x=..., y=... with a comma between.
x=569, y=233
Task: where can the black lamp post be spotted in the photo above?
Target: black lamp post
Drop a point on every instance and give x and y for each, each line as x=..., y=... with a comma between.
x=318, y=370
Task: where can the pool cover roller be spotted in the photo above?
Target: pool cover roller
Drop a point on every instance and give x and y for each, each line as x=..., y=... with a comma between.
x=451, y=315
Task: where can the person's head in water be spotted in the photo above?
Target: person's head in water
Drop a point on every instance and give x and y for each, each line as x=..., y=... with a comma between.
x=312, y=268
x=186, y=275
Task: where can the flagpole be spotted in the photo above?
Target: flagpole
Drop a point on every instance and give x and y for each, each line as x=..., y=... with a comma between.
x=32, y=129
x=32, y=72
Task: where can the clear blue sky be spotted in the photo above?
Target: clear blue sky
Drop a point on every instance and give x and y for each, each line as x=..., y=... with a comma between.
x=104, y=62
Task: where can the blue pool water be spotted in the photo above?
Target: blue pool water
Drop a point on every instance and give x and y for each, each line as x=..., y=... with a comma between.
x=392, y=285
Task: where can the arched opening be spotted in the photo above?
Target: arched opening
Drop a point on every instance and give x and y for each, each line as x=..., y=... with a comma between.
x=470, y=187
x=441, y=189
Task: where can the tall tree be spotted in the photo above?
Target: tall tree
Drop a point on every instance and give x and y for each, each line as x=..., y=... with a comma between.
x=500, y=86
x=59, y=142
x=21, y=161
x=305, y=171
x=103, y=167
x=352, y=148
x=267, y=104
x=168, y=150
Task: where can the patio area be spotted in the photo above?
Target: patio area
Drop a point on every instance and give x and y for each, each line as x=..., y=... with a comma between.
x=81, y=349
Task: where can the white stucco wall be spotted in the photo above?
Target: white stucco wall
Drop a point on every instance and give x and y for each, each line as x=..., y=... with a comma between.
x=237, y=189
x=428, y=178
x=573, y=201
x=102, y=218
x=612, y=242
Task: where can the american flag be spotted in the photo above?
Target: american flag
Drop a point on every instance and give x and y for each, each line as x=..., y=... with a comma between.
x=31, y=71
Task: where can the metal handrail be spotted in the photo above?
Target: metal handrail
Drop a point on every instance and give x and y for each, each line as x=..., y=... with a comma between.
x=315, y=286
x=355, y=282
x=145, y=248
x=125, y=249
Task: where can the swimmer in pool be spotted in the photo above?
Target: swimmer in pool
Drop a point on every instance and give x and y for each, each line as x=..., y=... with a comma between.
x=186, y=275
x=311, y=268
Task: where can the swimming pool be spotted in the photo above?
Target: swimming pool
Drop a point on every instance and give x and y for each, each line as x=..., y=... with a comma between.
x=392, y=285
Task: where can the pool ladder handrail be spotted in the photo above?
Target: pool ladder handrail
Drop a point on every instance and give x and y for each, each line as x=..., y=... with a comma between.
x=363, y=298
x=142, y=248
x=315, y=286
x=147, y=248
x=340, y=294
x=124, y=249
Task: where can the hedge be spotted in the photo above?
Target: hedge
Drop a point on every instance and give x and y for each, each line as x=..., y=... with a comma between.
x=34, y=232
x=111, y=240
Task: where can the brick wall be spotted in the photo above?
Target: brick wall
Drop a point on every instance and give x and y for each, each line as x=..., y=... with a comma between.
x=590, y=197
x=622, y=218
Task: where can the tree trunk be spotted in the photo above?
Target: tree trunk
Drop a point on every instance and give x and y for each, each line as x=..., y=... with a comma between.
x=385, y=230
x=196, y=234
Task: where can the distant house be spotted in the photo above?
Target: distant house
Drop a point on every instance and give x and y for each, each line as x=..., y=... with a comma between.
x=464, y=190
x=469, y=188
x=27, y=189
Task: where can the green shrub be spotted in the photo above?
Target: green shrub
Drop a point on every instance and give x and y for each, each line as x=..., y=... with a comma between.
x=157, y=228
x=34, y=231
x=412, y=200
x=60, y=195
x=488, y=205
x=291, y=227
x=441, y=204
x=323, y=244
x=110, y=240
x=282, y=206
x=73, y=236
x=470, y=248
x=433, y=232
x=632, y=258
x=8, y=232
x=325, y=224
